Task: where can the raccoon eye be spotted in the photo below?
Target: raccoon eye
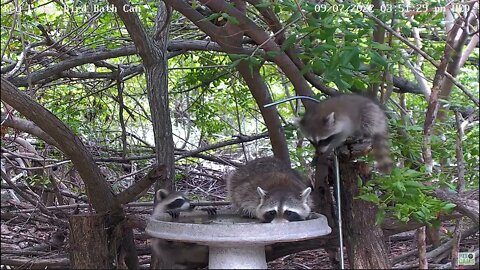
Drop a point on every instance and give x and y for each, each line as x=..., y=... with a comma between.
x=291, y=216
x=326, y=141
x=269, y=216
x=176, y=204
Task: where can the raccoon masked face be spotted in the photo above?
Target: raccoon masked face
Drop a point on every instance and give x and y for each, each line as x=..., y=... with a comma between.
x=322, y=131
x=170, y=201
x=281, y=206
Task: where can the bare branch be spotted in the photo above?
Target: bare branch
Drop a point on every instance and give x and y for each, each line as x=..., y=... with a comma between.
x=240, y=139
x=426, y=56
x=133, y=191
x=28, y=127
x=465, y=206
x=36, y=203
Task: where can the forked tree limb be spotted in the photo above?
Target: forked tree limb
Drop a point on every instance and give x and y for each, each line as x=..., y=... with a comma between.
x=465, y=206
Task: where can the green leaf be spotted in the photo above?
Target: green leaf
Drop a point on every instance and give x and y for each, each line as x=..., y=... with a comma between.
x=448, y=206
x=381, y=46
x=347, y=56
x=263, y=4
x=212, y=17
x=400, y=187
x=379, y=216
x=230, y=19
x=370, y=198
x=378, y=59
x=289, y=42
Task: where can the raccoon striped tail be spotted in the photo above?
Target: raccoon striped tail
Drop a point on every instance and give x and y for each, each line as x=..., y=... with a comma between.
x=381, y=152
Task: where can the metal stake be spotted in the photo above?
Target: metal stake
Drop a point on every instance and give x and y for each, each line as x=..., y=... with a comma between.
x=339, y=215
x=291, y=98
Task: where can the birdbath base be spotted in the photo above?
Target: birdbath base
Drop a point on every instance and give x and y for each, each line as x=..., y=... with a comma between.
x=249, y=257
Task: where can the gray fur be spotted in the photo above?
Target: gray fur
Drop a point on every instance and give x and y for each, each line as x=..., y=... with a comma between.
x=335, y=119
x=165, y=198
x=177, y=255
x=267, y=184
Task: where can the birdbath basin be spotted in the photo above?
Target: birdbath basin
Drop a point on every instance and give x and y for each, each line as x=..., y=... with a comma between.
x=234, y=242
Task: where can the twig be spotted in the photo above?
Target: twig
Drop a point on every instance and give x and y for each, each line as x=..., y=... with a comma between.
x=460, y=188
x=406, y=255
x=422, y=248
x=35, y=262
x=22, y=194
x=448, y=245
x=128, y=205
x=128, y=195
x=64, y=193
x=414, y=266
x=426, y=56
x=240, y=139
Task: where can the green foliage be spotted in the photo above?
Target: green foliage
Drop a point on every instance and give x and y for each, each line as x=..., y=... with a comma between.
x=37, y=180
x=404, y=194
x=180, y=177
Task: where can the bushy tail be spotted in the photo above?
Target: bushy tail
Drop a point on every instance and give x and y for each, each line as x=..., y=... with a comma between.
x=381, y=152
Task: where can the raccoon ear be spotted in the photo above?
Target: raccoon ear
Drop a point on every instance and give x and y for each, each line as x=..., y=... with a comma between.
x=297, y=121
x=161, y=194
x=330, y=119
x=261, y=192
x=306, y=192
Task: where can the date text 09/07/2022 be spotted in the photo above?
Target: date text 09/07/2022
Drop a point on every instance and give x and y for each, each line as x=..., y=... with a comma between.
x=389, y=8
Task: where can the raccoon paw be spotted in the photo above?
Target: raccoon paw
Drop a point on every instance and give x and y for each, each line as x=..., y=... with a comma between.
x=174, y=213
x=212, y=211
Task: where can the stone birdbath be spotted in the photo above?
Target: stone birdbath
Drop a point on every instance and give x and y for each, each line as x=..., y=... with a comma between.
x=234, y=242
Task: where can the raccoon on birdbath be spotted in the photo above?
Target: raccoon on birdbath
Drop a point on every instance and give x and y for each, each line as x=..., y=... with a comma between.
x=234, y=242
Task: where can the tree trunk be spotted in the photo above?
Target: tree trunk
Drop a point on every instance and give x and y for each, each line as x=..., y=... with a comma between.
x=89, y=242
x=363, y=239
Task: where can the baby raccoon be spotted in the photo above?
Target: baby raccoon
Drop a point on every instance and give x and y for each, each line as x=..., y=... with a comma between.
x=173, y=254
x=334, y=119
x=172, y=203
x=268, y=189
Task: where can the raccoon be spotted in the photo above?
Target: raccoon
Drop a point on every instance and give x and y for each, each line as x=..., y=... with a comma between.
x=174, y=254
x=269, y=190
x=329, y=124
x=172, y=203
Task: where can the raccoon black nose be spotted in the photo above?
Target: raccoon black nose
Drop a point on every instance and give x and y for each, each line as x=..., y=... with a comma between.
x=269, y=216
x=292, y=216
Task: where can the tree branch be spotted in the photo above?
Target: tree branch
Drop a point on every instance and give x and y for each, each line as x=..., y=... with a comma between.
x=240, y=139
x=426, y=56
x=134, y=190
x=27, y=127
x=99, y=192
x=465, y=206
